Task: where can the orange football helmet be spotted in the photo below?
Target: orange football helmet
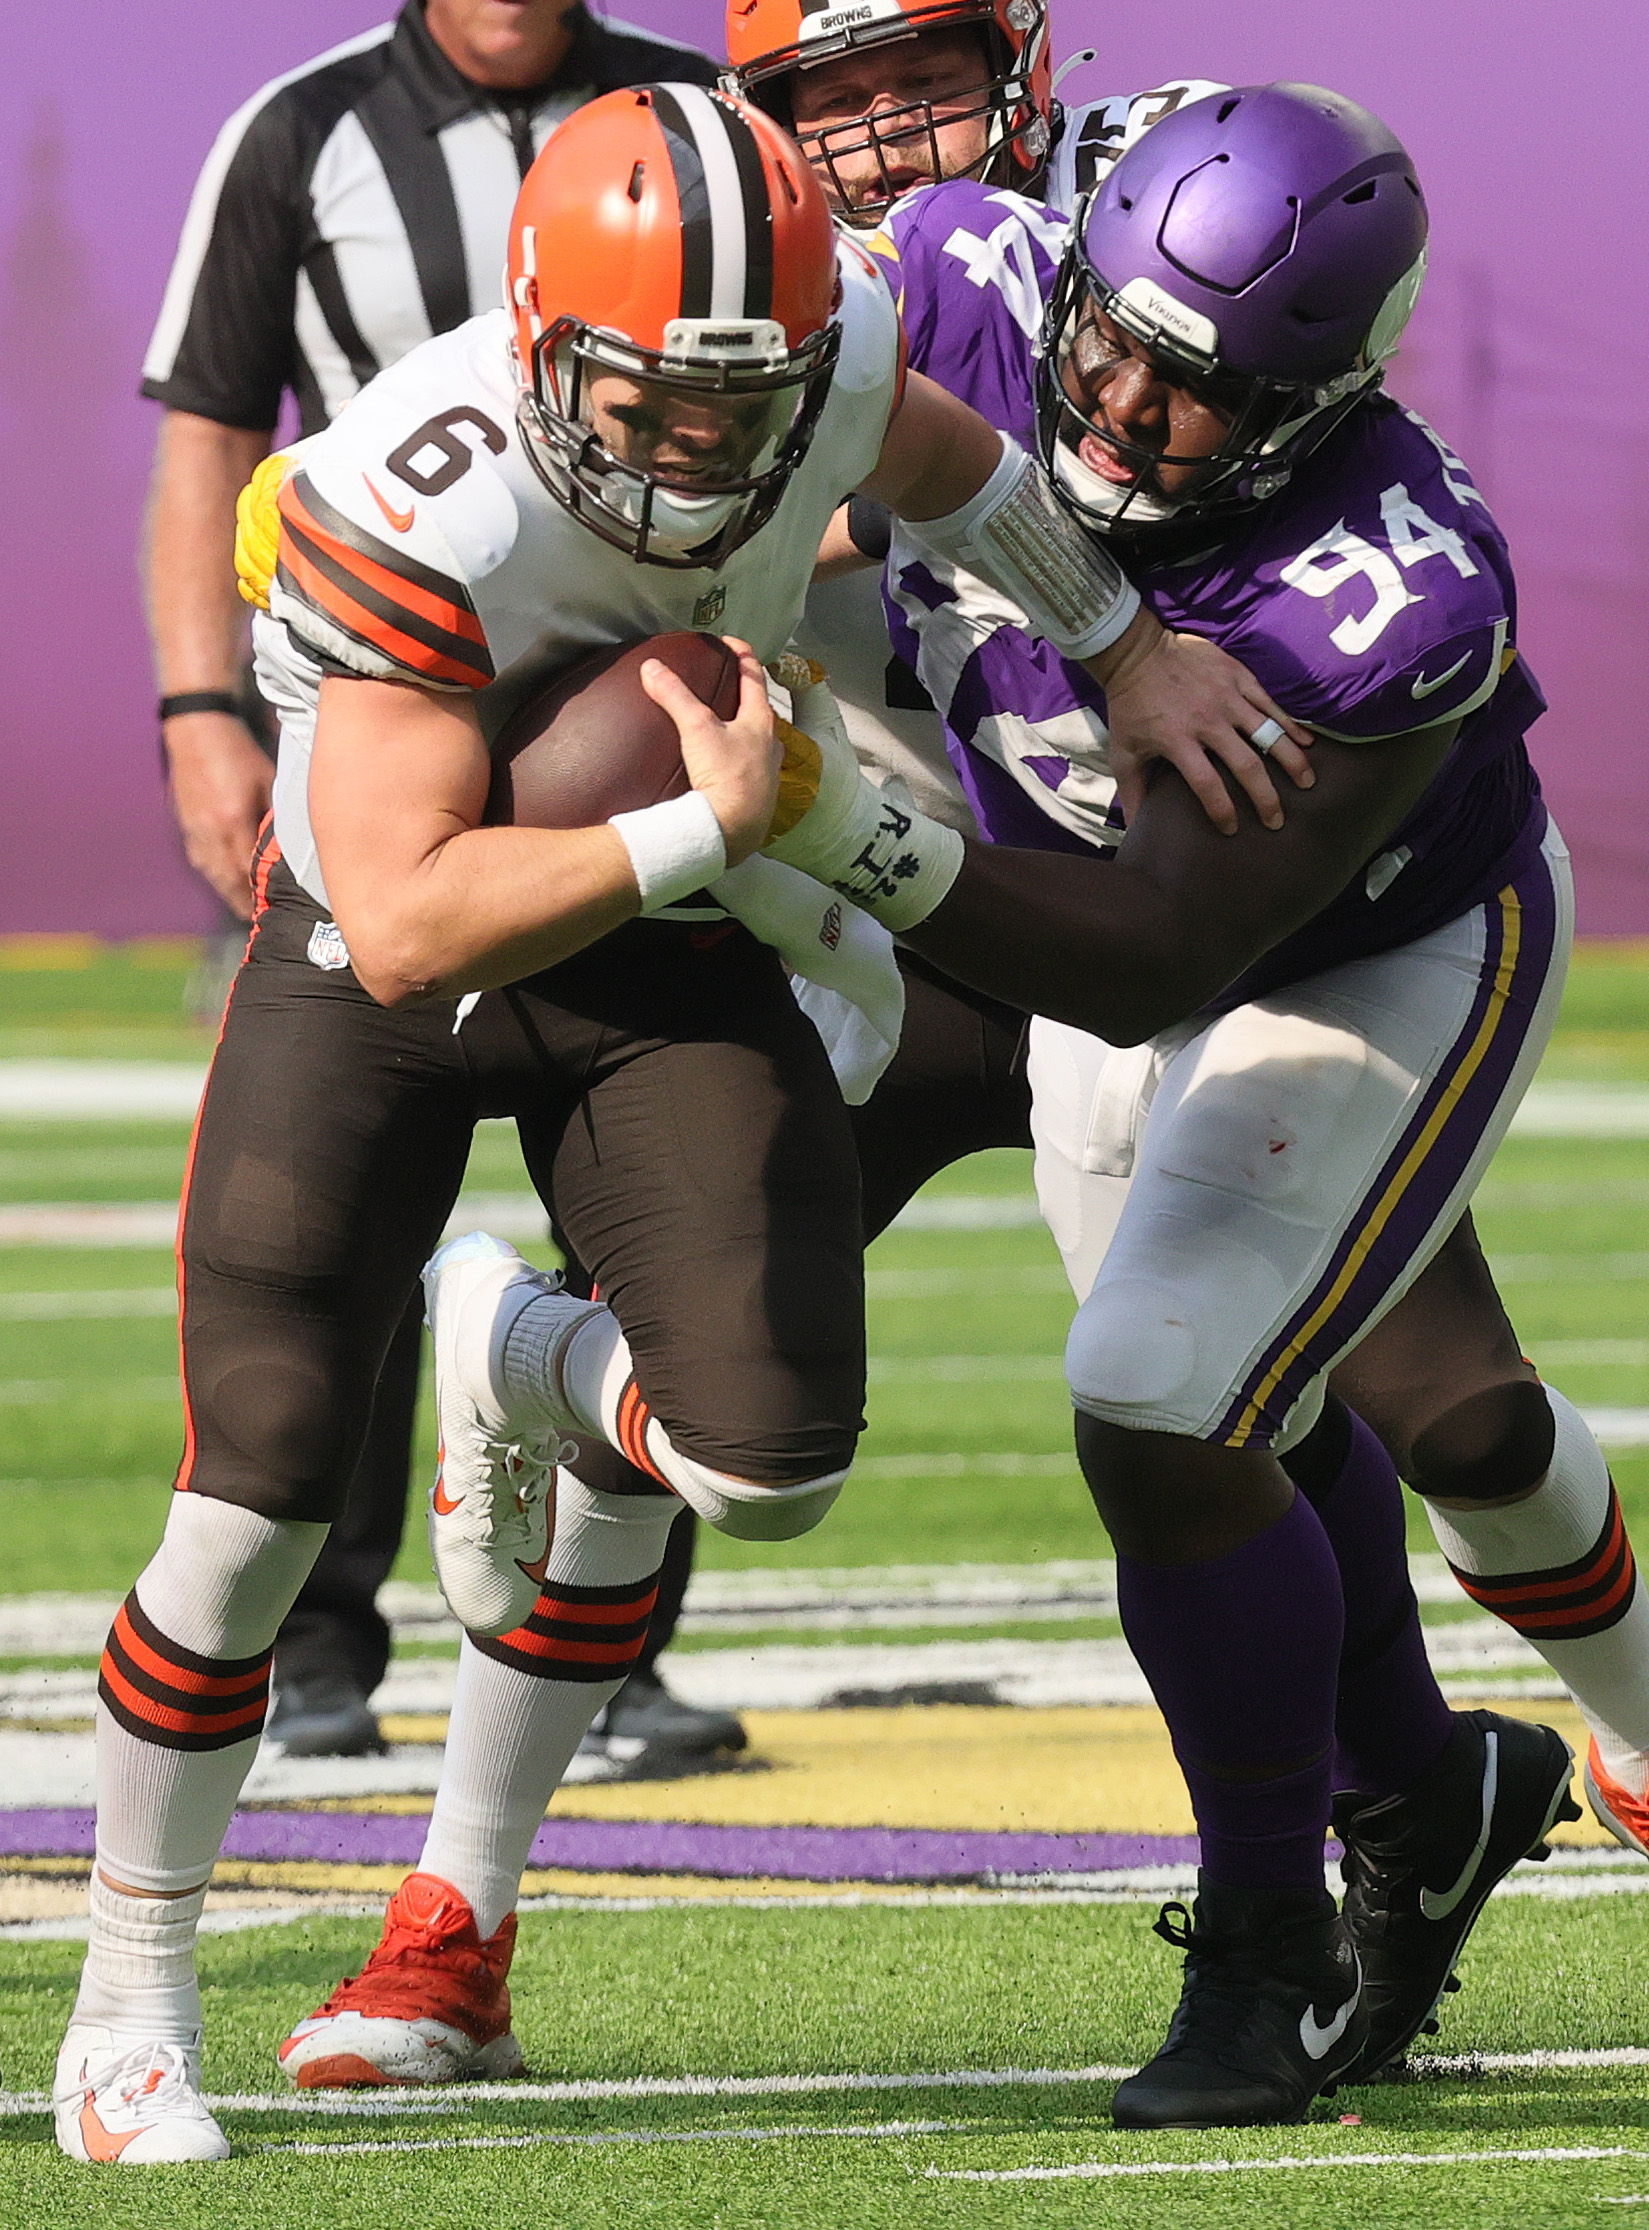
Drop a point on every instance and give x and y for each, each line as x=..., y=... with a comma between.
x=671, y=275
x=769, y=40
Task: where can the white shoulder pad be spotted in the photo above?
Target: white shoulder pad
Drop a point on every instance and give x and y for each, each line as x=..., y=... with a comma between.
x=404, y=490
x=869, y=322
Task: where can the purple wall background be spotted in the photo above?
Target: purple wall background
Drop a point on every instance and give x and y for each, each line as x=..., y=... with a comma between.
x=1526, y=123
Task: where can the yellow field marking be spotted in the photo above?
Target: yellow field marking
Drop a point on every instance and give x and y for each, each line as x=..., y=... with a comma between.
x=1078, y=1769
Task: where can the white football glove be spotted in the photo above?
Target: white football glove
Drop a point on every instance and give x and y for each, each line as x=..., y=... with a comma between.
x=876, y=850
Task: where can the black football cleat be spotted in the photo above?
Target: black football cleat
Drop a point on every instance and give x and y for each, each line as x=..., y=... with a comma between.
x=1270, y=2014
x=1419, y=1866
x=326, y=1715
x=647, y=1734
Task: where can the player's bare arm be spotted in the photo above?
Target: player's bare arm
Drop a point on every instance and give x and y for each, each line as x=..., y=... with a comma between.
x=430, y=901
x=1168, y=696
x=1128, y=947
x=219, y=777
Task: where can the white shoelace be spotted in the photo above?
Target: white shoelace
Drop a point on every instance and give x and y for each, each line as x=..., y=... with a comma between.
x=153, y=2081
x=528, y=1468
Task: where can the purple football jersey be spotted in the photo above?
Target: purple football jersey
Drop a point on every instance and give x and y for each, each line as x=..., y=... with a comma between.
x=1374, y=595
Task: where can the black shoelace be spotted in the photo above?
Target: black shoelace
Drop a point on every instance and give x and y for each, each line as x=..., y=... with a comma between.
x=1222, y=1977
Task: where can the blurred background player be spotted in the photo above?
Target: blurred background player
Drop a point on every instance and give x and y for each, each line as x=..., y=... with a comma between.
x=349, y=210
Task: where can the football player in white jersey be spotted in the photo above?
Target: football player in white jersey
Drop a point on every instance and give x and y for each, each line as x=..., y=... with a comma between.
x=691, y=373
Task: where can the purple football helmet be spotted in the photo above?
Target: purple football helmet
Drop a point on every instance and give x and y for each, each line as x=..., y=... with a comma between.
x=1264, y=247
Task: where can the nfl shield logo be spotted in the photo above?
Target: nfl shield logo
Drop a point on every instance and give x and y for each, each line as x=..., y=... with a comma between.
x=326, y=946
x=710, y=606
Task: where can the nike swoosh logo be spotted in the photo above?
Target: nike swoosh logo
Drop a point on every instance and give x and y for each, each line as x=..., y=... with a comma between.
x=401, y=520
x=1437, y=1904
x=536, y=1570
x=101, y=2143
x=1319, y=2037
x=440, y=1503
x=1421, y=688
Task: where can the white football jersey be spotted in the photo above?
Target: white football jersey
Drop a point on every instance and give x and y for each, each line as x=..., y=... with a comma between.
x=419, y=544
x=845, y=627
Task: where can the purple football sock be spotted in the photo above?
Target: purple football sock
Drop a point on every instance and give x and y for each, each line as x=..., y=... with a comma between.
x=1242, y=1654
x=1392, y=1721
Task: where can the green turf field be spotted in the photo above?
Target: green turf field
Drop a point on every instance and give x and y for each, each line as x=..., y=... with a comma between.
x=765, y=2007
x=781, y=2016
x=89, y=1406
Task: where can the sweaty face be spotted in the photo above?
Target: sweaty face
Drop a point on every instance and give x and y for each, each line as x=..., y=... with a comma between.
x=1142, y=411
x=690, y=441
x=884, y=118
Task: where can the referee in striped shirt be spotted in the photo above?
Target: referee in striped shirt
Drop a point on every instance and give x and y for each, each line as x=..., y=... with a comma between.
x=347, y=211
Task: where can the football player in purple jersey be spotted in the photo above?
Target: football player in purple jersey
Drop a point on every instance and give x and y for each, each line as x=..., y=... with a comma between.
x=1275, y=1063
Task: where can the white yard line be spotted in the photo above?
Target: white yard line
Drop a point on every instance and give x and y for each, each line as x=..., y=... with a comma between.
x=1105, y=2169
x=1467, y=1649
x=1570, y=1269
x=125, y=1091
x=531, y=2138
x=682, y=2086
x=1570, y=1874
x=450, y=2096
x=100, y=1091
x=116, y=1301
x=1556, y=1110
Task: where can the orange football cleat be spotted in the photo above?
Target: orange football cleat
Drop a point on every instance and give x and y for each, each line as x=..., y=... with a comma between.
x=431, y=2005
x=1625, y=1816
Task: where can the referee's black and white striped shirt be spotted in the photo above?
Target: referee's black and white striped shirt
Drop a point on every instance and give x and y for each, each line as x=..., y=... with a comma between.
x=354, y=207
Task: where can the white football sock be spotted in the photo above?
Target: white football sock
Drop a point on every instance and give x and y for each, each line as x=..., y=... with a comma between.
x=139, y=1975
x=515, y=1724
x=595, y=1371
x=205, y=1609
x=1558, y=1569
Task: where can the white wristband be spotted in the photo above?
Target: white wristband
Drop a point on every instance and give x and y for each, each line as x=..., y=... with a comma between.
x=1014, y=535
x=675, y=848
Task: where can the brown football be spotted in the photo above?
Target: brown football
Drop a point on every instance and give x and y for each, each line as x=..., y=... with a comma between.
x=592, y=742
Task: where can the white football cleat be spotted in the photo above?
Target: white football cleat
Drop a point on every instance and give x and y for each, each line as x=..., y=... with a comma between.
x=133, y=2100
x=492, y=1508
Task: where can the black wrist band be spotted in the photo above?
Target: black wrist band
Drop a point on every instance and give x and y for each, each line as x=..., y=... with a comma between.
x=200, y=700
